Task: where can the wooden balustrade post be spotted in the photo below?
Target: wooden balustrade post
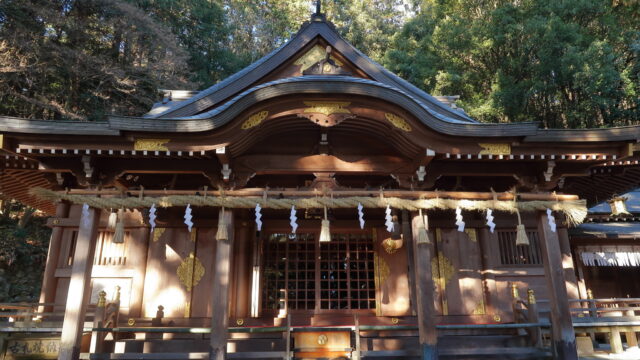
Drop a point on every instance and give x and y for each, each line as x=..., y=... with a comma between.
x=532, y=307
x=220, y=292
x=425, y=294
x=97, y=337
x=515, y=296
x=615, y=341
x=632, y=338
x=562, y=334
x=79, y=286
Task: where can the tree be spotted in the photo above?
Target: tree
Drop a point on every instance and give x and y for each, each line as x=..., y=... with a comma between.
x=566, y=64
x=65, y=59
x=23, y=250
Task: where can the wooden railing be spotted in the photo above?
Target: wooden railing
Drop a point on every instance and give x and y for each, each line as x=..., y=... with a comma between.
x=609, y=316
x=526, y=312
x=30, y=315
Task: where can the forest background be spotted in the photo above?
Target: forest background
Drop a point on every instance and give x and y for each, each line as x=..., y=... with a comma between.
x=562, y=63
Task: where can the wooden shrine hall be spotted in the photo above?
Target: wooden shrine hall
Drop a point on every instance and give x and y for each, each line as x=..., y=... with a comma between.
x=311, y=206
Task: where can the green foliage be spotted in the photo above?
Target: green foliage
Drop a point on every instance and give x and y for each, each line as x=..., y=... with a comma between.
x=567, y=63
x=23, y=252
x=65, y=59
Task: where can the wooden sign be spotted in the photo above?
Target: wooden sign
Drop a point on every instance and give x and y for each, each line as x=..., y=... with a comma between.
x=32, y=348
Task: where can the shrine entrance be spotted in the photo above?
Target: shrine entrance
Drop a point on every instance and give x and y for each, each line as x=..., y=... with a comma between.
x=302, y=274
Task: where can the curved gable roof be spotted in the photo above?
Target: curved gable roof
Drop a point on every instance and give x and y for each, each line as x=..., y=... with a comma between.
x=250, y=75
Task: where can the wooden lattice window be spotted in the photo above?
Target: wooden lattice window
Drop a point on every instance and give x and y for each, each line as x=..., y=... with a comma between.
x=510, y=254
x=289, y=265
x=346, y=272
x=343, y=268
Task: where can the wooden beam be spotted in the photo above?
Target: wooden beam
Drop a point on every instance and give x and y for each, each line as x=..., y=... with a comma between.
x=79, y=286
x=562, y=335
x=425, y=295
x=411, y=194
x=220, y=293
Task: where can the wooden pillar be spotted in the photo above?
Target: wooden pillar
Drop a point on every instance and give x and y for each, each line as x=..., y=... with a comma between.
x=406, y=234
x=567, y=264
x=49, y=281
x=138, y=248
x=242, y=270
x=79, y=286
x=220, y=293
x=425, y=294
x=562, y=336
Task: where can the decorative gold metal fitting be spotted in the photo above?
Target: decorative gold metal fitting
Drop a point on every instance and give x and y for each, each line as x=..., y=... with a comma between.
x=514, y=291
x=323, y=339
x=239, y=322
x=131, y=321
x=102, y=298
x=531, y=297
x=497, y=318
x=395, y=320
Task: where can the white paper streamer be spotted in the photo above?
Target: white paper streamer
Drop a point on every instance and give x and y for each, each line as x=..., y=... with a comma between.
x=152, y=216
x=361, y=215
x=293, y=218
x=388, y=219
x=609, y=258
x=490, y=223
x=85, y=216
x=258, y=217
x=459, y=221
x=188, y=217
x=552, y=220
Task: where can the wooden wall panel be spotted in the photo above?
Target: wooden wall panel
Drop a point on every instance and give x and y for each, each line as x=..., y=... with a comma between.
x=206, y=252
x=459, y=267
x=393, y=278
x=168, y=249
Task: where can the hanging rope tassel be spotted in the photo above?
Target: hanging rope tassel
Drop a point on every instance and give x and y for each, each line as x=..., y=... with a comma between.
x=521, y=233
x=113, y=219
x=118, y=235
x=423, y=235
x=222, y=233
x=325, y=234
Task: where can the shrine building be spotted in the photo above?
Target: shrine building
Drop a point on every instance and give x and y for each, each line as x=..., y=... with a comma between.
x=313, y=206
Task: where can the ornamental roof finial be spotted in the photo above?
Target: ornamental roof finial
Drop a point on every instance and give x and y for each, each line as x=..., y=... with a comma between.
x=318, y=15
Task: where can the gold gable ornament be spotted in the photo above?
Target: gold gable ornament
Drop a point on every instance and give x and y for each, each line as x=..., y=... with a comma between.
x=494, y=149
x=398, y=122
x=151, y=145
x=326, y=113
x=254, y=120
x=316, y=54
